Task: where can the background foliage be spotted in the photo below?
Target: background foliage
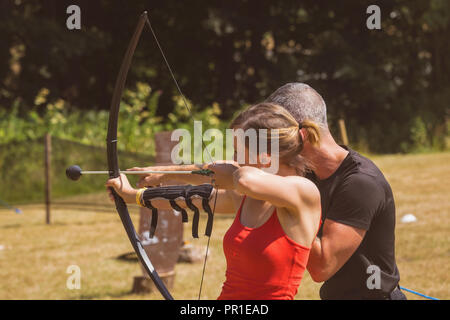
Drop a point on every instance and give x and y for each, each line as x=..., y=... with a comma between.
x=392, y=86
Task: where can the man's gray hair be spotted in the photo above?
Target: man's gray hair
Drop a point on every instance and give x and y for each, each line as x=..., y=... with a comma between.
x=302, y=102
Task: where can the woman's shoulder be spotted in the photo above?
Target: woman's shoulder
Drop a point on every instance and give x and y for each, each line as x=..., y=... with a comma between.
x=306, y=188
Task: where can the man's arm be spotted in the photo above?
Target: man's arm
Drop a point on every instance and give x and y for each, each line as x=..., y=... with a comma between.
x=332, y=251
x=354, y=205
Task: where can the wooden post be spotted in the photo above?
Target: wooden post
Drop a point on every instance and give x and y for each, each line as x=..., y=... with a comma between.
x=48, y=184
x=344, y=138
x=164, y=248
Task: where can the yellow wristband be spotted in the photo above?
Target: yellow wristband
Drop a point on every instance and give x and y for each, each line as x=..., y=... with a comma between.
x=139, y=197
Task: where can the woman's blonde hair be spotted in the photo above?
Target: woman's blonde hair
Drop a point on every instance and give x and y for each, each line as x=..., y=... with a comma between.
x=272, y=116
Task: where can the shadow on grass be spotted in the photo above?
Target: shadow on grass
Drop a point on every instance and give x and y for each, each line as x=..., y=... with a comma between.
x=129, y=257
x=11, y=226
x=95, y=296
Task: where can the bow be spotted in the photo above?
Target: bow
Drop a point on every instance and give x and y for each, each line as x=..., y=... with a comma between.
x=113, y=163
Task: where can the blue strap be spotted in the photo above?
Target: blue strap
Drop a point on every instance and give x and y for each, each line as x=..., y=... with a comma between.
x=418, y=293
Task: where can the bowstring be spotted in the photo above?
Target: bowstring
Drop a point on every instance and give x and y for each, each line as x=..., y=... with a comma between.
x=147, y=20
x=207, y=249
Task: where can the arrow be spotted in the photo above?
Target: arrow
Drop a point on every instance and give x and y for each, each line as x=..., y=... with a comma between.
x=75, y=172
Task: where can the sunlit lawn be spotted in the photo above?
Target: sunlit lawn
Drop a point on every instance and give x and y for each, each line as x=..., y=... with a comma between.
x=34, y=256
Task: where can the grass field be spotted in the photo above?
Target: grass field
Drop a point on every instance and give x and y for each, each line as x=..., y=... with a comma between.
x=34, y=256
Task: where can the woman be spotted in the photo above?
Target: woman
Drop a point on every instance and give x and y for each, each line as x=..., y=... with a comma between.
x=278, y=215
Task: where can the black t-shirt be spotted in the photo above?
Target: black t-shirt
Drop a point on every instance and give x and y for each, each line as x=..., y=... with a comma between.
x=358, y=195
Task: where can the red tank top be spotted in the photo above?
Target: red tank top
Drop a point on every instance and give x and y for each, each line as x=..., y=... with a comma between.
x=262, y=263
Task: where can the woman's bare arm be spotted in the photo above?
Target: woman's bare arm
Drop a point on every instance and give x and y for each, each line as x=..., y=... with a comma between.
x=296, y=198
x=289, y=192
x=155, y=179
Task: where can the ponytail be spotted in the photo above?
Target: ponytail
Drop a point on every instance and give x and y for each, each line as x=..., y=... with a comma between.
x=312, y=132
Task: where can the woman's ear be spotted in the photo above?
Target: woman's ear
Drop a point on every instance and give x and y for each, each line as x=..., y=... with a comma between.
x=264, y=160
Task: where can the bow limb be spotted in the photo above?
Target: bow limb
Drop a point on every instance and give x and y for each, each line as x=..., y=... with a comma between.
x=211, y=213
x=113, y=162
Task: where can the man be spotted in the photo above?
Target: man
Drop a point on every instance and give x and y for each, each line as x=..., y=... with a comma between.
x=354, y=253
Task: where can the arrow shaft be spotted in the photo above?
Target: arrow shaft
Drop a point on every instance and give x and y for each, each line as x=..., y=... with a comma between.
x=138, y=172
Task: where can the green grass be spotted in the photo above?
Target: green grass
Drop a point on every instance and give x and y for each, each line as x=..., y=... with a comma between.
x=34, y=256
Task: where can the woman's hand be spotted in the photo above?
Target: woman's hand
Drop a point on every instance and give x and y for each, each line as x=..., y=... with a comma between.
x=122, y=186
x=223, y=173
